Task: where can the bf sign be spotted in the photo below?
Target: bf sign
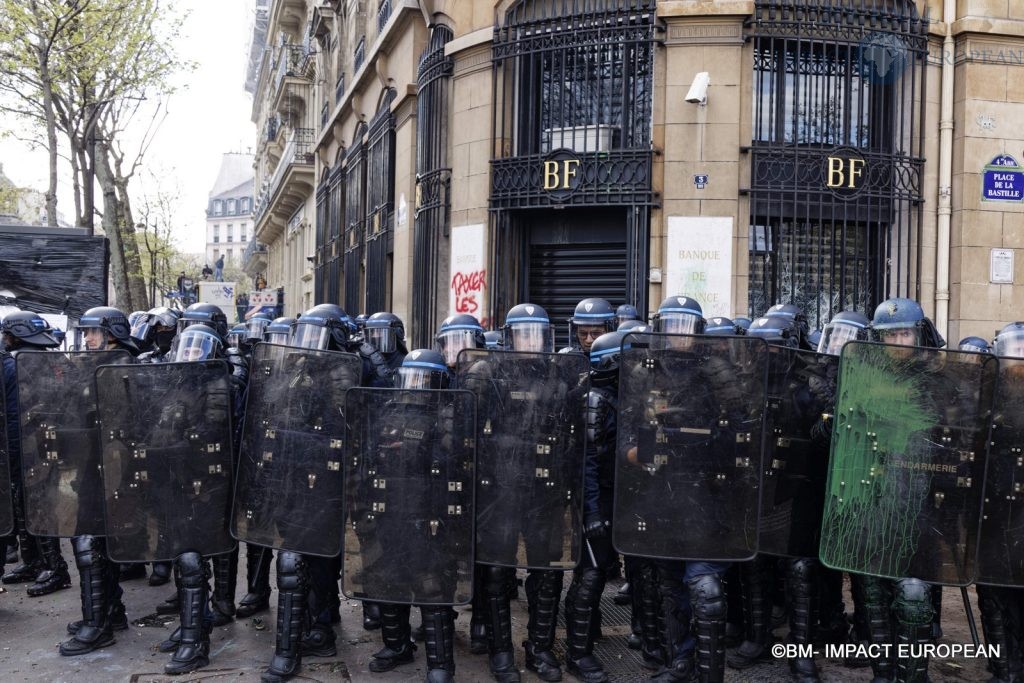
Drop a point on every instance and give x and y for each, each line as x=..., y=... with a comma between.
x=845, y=173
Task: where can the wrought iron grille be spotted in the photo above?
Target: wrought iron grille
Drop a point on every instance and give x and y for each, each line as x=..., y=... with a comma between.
x=360, y=55
x=836, y=155
x=335, y=233
x=433, y=182
x=574, y=76
x=320, y=288
x=383, y=14
x=380, y=203
x=355, y=215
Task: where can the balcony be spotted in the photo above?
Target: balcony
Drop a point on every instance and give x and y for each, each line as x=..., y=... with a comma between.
x=323, y=114
x=360, y=54
x=288, y=188
x=383, y=14
x=292, y=77
x=323, y=19
x=254, y=259
x=339, y=88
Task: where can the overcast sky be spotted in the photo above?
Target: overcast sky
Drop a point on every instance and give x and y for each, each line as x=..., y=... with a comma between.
x=207, y=117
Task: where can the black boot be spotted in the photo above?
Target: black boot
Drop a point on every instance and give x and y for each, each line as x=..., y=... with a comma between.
x=499, y=585
x=439, y=643
x=803, y=617
x=479, y=619
x=371, y=616
x=678, y=668
x=31, y=559
x=93, y=569
x=161, y=574
x=171, y=643
x=225, y=574
x=194, y=647
x=291, y=617
x=395, y=632
x=874, y=596
x=55, y=576
x=579, y=616
x=11, y=556
x=257, y=577
x=118, y=618
x=757, y=614
x=652, y=657
x=710, y=608
x=170, y=605
x=543, y=589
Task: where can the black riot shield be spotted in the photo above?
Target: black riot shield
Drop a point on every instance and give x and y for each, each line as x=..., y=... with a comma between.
x=6, y=507
x=1001, y=549
x=165, y=433
x=688, y=453
x=409, y=475
x=288, y=491
x=60, y=446
x=530, y=441
x=801, y=387
x=907, y=465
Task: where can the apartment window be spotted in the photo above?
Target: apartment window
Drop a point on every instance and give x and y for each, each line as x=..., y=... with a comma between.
x=216, y=234
x=218, y=207
x=245, y=205
x=229, y=233
x=241, y=232
x=231, y=206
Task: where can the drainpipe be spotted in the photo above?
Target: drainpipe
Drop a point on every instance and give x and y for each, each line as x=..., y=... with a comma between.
x=945, y=212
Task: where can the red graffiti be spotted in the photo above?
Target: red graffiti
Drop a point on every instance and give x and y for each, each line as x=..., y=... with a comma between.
x=464, y=283
x=466, y=304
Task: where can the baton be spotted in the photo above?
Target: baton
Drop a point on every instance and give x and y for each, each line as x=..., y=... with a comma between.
x=593, y=560
x=970, y=615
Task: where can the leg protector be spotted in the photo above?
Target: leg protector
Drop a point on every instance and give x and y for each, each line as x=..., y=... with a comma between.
x=479, y=619
x=914, y=616
x=194, y=648
x=582, y=605
x=651, y=626
x=875, y=595
x=439, y=642
x=710, y=608
x=397, y=636
x=291, y=617
x=93, y=570
x=31, y=560
x=225, y=574
x=994, y=626
x=755, y=580
x=498, y=586
x=803, y=616
x=257, y=577
x=543, y=590
x=55, y=576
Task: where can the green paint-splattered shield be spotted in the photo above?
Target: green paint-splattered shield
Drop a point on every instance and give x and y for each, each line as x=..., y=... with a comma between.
x=908, y=459
x=801, y=388
x=1001, y=556
x=688, y=452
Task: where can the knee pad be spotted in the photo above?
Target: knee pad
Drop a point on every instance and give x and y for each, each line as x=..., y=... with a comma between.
x=193, y=570
x=914, y=602
x=802, y=570
x=589, y=587
x=289, y=570
x=498, y=581
x=873, y=590
x=708, y=597
x=86, y=551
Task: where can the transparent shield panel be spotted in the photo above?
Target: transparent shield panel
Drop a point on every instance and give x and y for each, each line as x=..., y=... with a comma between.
x=60, y=447
x=801, y=386
x=909, y=446
x=165, y=433
x=409, y=482
x=6, y=507
x=530, y=441
x=288, y=493
x=688, y=454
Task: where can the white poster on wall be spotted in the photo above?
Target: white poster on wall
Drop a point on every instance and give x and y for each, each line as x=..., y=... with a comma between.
x=468, y=285
x=698, y=261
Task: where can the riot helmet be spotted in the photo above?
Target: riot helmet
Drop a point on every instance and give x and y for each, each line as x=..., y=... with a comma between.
x=592, y=318
x=492, y=339
x=605, y=351
x=423, y=369
x=845, y=326
x=785, y=311
x=1010, y=341
x=157, y=327
x=205, y=314
x=28, y=328
x=279, y=331
x=325, y=326
x=255, y=326
x=101, y=326
x=360, y=322
x=134, y=317
x=776, y=330
x=679, y=315
x=458, y=332
x=902, y=322
x=720, y=327
x=974, y=345
x=742, y=323
x=385, y=332
x=633, y=326
x=625, y=313
x=528, y=328
x=236, y=335
x=198, y=342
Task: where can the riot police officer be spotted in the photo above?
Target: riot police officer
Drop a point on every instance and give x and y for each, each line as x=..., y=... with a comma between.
x=492, y=338
x=974, y=345
x=592, y=318
x=626, y=312
x=386, y=332
x=156, y=331
x=279, y=331
x=42, y=561
x=99, y=329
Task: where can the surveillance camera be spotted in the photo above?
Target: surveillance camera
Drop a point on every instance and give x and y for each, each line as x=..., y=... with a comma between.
x=698, y=92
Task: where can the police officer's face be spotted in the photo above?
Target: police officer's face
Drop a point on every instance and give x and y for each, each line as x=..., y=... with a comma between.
x=586, y=334
x=902, y=336
x=95, y=339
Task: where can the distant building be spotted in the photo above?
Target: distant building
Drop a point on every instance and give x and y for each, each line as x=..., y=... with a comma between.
x=23, y=205
x=229, y=210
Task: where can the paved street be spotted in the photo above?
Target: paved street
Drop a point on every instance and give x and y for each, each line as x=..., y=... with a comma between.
x=34, y=626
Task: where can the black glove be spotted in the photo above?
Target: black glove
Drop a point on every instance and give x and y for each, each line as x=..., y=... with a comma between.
x=380, y=366
x=594, y=527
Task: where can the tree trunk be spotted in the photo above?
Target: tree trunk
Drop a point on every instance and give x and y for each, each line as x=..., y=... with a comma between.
x=78, y=166
x=130, y=245
x=111, y=212
x=46, y=87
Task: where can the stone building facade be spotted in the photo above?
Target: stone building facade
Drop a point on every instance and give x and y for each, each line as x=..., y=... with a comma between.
x=229, y=210
x=468, y=155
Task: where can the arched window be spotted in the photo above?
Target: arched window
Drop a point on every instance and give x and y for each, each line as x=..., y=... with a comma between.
x=380, y=204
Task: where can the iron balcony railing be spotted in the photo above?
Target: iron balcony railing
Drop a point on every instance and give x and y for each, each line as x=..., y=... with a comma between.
x=339, y=88
x=299, y=151
x=360, y=54
x=323, y=114
x=253, y=249
x=383, y=14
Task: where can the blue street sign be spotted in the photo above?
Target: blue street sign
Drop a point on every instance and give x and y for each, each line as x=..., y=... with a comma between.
x=1003, y=180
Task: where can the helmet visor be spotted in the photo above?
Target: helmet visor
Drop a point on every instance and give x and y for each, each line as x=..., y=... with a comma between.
x=195, y=346
x=309, y=336
x=451, y=342
x=1010, y=344
x=277, y=338
x=677, y=323
x=835, y=336
x=414, y=378
x=143, y=328
x=381, y=338
x=538, y=337
x=254, y=328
